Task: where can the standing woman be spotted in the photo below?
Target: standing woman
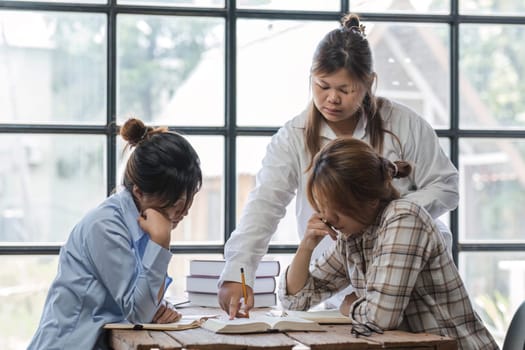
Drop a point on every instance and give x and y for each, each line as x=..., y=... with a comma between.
x=113, y=266
x=343, y=104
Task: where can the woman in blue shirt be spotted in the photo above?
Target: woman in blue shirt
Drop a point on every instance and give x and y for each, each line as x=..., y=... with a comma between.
x=113, y=266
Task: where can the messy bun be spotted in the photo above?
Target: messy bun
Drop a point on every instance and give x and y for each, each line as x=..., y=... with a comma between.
x=134, y=131
x=351, y=23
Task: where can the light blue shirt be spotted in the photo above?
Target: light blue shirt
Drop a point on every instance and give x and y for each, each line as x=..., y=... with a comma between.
x=109, y=271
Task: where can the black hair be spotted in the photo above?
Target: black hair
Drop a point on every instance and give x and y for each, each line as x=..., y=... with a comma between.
x=163, y=163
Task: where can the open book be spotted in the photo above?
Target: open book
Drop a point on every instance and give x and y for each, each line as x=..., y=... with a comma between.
x=257, y=324
x=186, y=322
x=321, y=316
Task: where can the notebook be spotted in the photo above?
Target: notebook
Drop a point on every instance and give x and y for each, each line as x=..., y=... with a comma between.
x=186, y=322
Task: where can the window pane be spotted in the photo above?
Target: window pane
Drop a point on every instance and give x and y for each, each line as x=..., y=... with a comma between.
x=496, y=285
x=170, y=70
x=492, y=189
x=400, y=6
x=47, y=183
x=492, y=7
x=273, y=67
x=293, y=5
x=445, y=145
x=181, y=3
x=250, y=152
x=204, y=223
x=412, y=64
x=24, y=281
x=57, y=61
x=492, y=76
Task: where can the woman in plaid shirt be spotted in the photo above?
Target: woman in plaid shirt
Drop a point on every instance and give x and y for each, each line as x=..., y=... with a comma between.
x=389, y=249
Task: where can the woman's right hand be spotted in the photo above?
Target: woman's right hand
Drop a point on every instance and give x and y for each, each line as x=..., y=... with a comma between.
x=230, y=294
x=316, y=230
x=157, y=225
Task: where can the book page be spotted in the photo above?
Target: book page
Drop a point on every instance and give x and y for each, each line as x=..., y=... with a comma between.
x=289, y=323
x=260, y=324
x=238, y=325
x=321, y=316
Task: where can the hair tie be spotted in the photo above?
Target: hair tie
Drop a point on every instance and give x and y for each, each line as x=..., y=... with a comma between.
x=395, y=169
x=360, y=30
x=144, y=135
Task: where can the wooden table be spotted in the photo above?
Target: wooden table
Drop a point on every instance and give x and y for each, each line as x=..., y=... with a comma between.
x=336, y=337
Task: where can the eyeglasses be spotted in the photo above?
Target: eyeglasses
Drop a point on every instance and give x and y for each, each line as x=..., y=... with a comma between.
x=365, y=329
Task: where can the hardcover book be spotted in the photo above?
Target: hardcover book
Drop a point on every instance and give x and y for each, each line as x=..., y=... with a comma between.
x=208, y=284
x=211, y=299
x=259, y=324
x=199, y=267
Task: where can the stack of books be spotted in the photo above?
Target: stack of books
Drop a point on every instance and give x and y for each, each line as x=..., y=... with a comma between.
x=201, y=283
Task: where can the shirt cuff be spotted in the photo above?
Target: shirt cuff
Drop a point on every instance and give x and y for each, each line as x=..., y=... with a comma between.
x=358, y=313
x=155, y=262
x=232, y=272
x=298, y=301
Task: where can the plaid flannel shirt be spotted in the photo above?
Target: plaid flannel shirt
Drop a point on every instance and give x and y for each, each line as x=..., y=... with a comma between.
x=403, y=277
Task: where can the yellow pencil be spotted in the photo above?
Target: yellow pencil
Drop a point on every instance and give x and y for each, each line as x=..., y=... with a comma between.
x=244, y=292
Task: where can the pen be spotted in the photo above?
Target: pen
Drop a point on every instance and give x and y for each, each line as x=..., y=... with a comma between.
x=244, y=292
x=333, y=228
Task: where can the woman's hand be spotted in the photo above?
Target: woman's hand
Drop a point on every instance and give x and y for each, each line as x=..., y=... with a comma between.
x=157, y=225
x=230, y=294
x=316, y=230
x=166, y=313
x=344, y=308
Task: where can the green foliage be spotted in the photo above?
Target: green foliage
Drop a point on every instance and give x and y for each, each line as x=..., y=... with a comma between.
x=155, y=55
x=491, y=61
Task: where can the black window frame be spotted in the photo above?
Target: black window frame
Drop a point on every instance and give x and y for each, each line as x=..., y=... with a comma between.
x=230, y=131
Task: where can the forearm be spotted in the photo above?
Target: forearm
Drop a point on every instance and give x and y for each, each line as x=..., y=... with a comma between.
x=298, y=271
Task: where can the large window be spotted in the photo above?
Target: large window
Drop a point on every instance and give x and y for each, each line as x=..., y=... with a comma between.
x=227, y=74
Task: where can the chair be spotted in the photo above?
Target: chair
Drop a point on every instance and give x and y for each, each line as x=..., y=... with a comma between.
x=515, y=337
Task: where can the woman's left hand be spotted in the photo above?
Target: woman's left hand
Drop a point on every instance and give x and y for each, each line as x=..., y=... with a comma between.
x=166, y=313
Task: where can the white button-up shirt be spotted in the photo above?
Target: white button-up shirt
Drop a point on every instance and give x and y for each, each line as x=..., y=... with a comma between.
x=433, y=183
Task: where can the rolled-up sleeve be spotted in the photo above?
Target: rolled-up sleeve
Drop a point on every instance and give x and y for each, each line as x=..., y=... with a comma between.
x=327, y=276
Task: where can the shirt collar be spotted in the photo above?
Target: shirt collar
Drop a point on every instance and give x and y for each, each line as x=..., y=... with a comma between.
x=130, y=213
x=359, y=132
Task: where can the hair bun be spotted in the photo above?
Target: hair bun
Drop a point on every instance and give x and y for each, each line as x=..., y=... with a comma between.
x=351, y=23
x=133, y=131
x=350, y=20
